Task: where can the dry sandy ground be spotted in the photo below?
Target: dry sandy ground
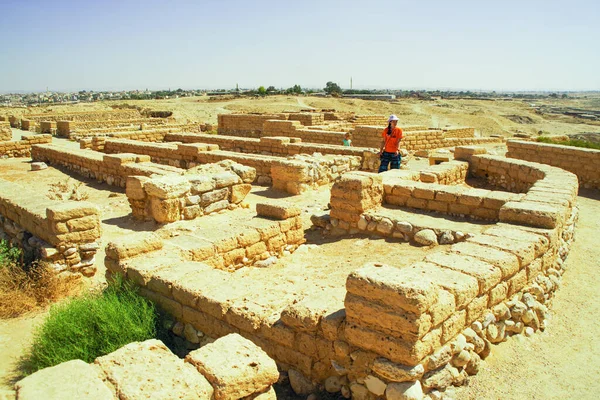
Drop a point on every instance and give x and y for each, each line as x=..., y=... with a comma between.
x=487, y=117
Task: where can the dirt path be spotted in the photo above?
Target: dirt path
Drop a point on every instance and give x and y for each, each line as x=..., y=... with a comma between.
x=564, y=361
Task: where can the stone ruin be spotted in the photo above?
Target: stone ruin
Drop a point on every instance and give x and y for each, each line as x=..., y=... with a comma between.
x=387, y=331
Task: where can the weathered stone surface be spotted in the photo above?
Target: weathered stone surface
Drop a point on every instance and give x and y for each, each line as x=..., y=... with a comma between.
x=38, y=166
x=396, y=372
x=239, y=192
x=300, y=385
x=507, y=262
x=67, y=210
x=50, y=384
x=404, y=391
x=128, y=371
x=235, y=367
x=164, y=211
x=486, y=274
x=375, y=385
x=280, y=210
x=394, y=287
x=167, y=187
x=426, y=237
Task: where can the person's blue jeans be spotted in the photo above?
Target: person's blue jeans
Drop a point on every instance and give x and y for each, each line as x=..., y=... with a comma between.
x=387, y=159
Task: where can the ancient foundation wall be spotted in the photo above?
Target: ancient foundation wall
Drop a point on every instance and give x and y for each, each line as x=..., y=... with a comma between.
x=152, y=134
x=5, y=131
x=27, y=125
x=113, y=169
x=229, y=368
x=86, y=116
x=585, y=163
x=459, y=132
x=294, y=175
x=275, y=229
x=15, y=122
x=307, y=118
x=277, y=146
x=47, y=126
x=414, y=140
x=173, y=198
x=246, y=125
x=66, y=234
x=22, y=148
x=425, y=325
x=64, y=128
x=379, y=120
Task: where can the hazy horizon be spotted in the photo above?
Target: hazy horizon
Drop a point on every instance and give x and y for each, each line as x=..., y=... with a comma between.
x=512, y=46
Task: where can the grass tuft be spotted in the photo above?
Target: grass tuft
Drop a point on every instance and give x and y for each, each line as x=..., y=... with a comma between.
x=91, y=326
x=571, y=142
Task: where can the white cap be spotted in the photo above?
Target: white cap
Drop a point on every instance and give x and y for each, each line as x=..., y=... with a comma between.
x=392, y=118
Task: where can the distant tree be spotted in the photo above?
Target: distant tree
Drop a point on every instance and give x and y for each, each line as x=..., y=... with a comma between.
x=553, y=95
x=564, y=96
x=296, y=89
x=332, y=88
x=262, y=91
x=271, y=89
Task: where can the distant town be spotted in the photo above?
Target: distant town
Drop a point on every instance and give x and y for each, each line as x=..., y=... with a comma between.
x=331, y=89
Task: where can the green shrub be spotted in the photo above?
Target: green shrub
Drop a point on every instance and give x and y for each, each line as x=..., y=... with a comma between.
x=8, y=254
x=571, y=142
x=91, y=326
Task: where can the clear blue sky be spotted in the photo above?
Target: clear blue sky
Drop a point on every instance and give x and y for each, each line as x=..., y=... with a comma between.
x=501, y=45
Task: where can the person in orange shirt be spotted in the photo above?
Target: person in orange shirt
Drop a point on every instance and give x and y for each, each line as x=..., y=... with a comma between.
x=390, y=142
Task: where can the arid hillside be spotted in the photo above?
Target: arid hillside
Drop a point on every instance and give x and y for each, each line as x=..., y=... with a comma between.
x=499, y=117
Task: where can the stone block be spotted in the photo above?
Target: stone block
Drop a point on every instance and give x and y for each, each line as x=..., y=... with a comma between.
x=239, y=192
x=50, y=384
x=280, y=210
x=128, y=371
x=486, y=274
x=530, y=213
x=70, y=210
x=393, y=287
x=164, y=211
x=235, y=367
x=507, y=262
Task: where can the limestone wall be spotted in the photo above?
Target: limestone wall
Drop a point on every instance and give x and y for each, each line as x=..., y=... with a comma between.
x=5, y=131
x=277, y=146
x=27, y=125
x=15, y=122
x=22, y=148
x=113, y=169
x=67, y=234
x=202, y=191
x=585, y=163
x=277, y=228
x=295, y=174
x=230, y=368
x=370, y=136
x=64, y=128
x=459, y=132
x=85, y=116
x=47, y=126
x=152, y=134
x=307, y=118
x=247, y=125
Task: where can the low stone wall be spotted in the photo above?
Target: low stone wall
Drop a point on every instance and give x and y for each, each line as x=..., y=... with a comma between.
x=459, y=132
x=276, y=229
x=307, y=118
x=154, y=134
x=295, y=129
x=85, y=116
x=5, y=131
x=379, y=120
x=64, y=128
x=47, y=127
x=277, y=146
x=414, y=140
x=66, y=234
x=246, y=125
x=229, y=368
x=114, y=169
x=22, y=148
x=585, y=163
x=295, y=174
x=15, y=122
x=27, y=125
x=201, y=191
